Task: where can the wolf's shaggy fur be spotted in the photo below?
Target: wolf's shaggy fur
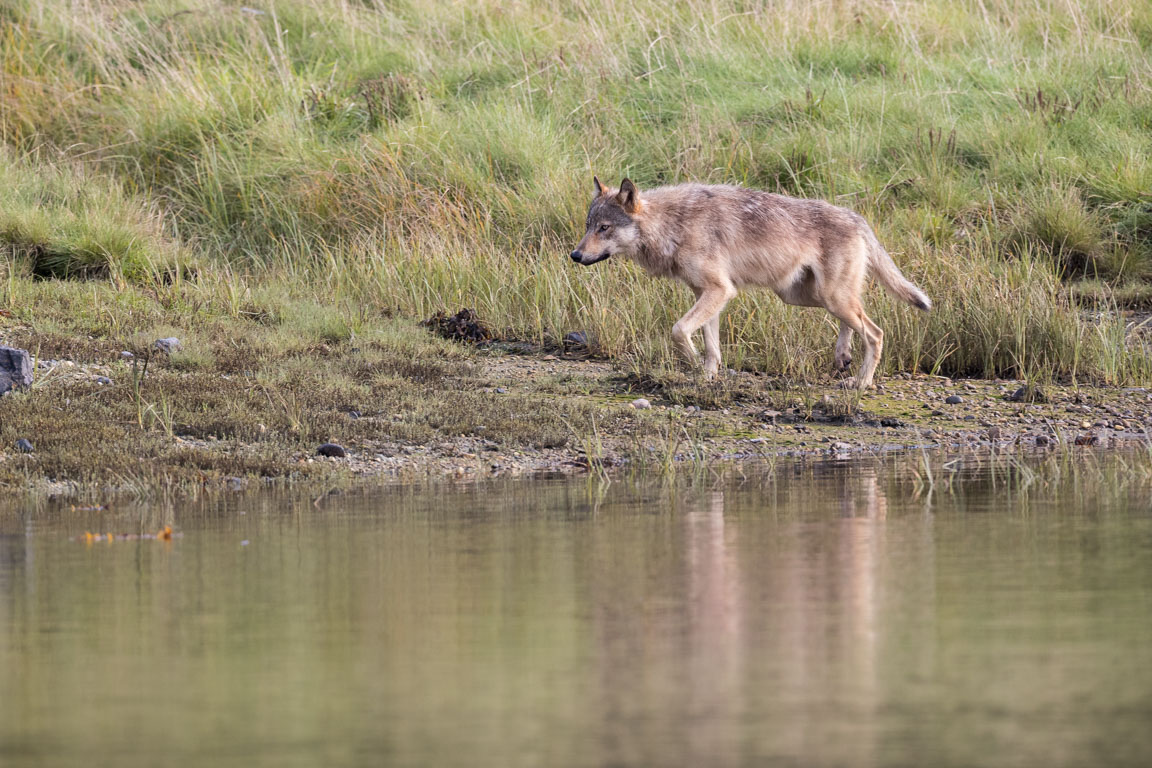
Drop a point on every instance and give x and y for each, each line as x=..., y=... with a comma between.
x=719, y=239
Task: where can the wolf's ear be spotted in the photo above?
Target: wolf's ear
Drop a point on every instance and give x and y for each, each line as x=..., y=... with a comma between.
x=628, y=196
x=599, y=187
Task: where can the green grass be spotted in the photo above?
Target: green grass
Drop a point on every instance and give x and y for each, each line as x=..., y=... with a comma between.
x=407, y=157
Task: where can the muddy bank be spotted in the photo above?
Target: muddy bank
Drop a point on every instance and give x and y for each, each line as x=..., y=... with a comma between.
x=95, y=428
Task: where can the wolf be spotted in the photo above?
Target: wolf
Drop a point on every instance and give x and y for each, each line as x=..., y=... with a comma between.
x=720, y=239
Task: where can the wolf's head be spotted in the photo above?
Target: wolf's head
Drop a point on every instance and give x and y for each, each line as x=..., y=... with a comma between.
x=611, y=227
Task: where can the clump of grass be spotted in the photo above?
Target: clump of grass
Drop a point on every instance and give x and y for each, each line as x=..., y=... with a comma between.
x=1056, y=222
x=60, y=221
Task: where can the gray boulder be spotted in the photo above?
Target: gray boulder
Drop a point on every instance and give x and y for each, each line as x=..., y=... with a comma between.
x=15, y=369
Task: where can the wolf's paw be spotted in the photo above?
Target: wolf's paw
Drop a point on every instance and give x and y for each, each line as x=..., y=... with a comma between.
x=853, y=383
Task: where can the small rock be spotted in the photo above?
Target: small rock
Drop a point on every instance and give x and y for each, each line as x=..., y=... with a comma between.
x=1088, y=439
x=127, y=356
x=103, y=380
x=331, y=449
x=993, y=433
x=168, y=345
x=954, y=400
x=1028, y=394
x=641, y=404
x=15, y=369
x=24, y=446
x=548, y=358
x=578, y=342
x=1041, y=441
x=890, y=422
x=841, y=447
x=501, y=391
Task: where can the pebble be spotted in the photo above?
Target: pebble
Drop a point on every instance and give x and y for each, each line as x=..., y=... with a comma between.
x=103, y=380
x=331, y=449
x=126, y=355
x=167, y=345
x=841, y=447
x=1041, y=441
x=24, y=446
x=641, y=404
x=954, y=400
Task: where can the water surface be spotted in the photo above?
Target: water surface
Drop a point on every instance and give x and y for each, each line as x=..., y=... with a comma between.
x=810, y=615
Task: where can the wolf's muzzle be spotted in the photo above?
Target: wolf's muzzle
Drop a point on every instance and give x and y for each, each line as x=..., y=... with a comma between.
x=578, y=257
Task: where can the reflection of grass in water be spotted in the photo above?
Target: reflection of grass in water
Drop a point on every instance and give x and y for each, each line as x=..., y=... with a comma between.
x=1015, y=471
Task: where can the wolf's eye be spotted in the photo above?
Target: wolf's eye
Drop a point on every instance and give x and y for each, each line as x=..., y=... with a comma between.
x=604, y=227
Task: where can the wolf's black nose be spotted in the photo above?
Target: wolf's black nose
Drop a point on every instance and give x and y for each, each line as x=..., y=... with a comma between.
x=576, y=255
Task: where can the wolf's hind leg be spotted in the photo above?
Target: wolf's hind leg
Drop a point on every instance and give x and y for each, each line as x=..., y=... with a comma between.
x=843, y=357
x=852, y=313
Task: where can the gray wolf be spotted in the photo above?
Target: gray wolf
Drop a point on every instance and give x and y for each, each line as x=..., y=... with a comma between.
x=719, y=239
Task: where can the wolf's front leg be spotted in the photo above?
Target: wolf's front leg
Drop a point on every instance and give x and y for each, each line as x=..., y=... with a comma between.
x=712, y=347
x=704, y=313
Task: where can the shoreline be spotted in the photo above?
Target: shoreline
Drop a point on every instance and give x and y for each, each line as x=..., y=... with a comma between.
x=740, y=419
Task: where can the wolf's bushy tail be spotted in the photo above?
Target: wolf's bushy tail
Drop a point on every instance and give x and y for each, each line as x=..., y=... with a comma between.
x=892, y=278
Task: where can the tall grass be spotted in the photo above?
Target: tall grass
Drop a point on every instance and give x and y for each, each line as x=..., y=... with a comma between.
x=417, y=156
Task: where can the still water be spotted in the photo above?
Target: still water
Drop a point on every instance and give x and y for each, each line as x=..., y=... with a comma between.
x=829, y=614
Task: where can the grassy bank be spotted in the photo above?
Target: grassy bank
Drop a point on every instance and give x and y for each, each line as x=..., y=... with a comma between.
x=227, y=169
